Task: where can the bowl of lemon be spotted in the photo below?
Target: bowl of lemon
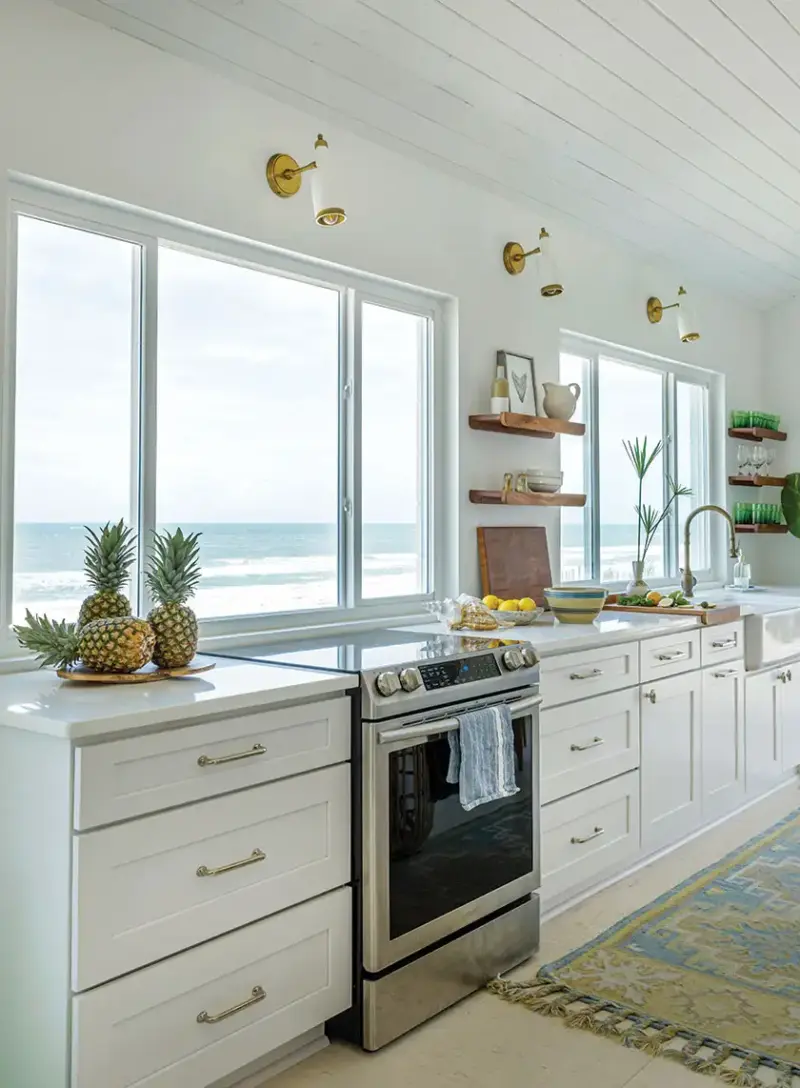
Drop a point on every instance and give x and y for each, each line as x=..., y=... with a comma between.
x=519, y=611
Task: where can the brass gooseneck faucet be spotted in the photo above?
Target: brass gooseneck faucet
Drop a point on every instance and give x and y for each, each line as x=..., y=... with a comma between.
x=687, y=580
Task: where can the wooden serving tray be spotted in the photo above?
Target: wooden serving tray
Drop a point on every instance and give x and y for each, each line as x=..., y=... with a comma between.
x=710, y=617
x=147, y=675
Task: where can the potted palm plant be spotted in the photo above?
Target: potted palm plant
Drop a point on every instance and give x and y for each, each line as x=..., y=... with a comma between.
x=648, y=518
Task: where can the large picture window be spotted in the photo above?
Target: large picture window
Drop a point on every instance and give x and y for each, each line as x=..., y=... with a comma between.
x=285, y=416
x=629, y=396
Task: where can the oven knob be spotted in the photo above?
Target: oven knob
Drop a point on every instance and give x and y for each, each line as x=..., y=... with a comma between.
x=387, y=683
x=512, y=659
x=529, y=657
x=410, y=679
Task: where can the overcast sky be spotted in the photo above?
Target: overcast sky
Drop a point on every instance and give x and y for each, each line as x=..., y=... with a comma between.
x=248, y=390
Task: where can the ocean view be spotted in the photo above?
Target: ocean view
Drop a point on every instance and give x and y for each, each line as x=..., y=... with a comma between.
x=247, y=567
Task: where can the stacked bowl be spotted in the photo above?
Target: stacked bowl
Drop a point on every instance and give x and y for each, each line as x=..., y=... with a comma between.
x=544, y=479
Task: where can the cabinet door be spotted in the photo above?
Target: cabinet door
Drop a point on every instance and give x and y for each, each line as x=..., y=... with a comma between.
x=670, y=768
x=763, y=756
x=790, y=716
x=723, y=739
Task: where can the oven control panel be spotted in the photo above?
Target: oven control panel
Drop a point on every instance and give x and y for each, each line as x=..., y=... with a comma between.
x=446, y=674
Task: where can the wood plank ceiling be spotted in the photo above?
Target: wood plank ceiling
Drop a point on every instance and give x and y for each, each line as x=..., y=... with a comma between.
x=673, y=124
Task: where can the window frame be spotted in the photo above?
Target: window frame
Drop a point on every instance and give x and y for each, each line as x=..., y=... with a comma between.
x=672, y=372
x=150, y=231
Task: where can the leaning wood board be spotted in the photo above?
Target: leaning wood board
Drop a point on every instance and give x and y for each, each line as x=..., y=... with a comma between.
x=514, y=561
x=148, y=675
x=710, y=617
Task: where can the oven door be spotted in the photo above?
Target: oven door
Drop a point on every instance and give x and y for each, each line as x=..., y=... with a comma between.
x=430, y=867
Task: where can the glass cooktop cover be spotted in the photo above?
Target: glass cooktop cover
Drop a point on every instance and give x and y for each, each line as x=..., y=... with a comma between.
x=366, y=650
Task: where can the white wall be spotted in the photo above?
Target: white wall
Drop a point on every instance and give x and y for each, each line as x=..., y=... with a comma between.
x=782, y=380
x=90, y=108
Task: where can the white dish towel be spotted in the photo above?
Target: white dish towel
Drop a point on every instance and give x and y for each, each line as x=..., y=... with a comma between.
x=482, y=756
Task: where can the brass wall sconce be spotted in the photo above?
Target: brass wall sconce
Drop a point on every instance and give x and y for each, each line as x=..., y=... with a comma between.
x=687, y=325
x=514, y=259
x=285, y=176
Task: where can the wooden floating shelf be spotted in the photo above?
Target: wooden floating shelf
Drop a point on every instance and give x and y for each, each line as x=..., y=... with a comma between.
x=756, y=434
x=757, y=481
x=526, y=498
x=767, y=528
x=530, y=426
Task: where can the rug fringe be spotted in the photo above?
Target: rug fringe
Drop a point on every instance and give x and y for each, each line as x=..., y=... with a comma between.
x=633, y=1029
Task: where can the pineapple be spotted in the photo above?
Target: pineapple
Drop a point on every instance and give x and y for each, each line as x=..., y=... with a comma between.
x=172, y=576
x=116, y=644
x=108, y=558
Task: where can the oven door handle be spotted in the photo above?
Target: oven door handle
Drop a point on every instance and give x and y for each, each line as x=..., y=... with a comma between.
x=447, y=725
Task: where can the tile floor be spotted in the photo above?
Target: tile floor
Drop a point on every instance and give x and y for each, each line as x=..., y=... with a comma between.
x=484, y=1041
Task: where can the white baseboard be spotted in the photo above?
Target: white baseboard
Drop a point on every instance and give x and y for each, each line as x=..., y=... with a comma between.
x=259, y=1073
x=585, y=893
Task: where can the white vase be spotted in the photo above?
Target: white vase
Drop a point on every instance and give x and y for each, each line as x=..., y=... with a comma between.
x=637, y=587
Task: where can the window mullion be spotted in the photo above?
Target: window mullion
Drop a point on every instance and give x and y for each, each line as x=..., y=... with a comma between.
x=145, y=431
x=8, y=417
x=352, y=506
x=670, y=462
x=344, y=560
x=592, y=454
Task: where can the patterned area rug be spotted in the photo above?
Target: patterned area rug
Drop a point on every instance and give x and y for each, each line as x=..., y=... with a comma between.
x=708, y=974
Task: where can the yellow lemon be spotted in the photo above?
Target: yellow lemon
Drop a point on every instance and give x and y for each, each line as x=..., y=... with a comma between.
x=654, y=596
x=509, y=606
x=526, y=604
x=491, y=601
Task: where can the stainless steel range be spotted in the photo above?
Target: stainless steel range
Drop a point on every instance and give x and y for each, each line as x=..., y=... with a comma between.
x=446, y=898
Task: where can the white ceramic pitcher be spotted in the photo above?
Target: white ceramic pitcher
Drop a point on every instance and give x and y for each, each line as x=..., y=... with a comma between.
x=560, y=401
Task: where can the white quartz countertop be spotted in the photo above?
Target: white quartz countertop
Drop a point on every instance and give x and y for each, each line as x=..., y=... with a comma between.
x=550, y=637
x=41, y=703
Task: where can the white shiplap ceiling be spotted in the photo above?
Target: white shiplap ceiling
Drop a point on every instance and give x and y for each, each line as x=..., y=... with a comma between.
x=674, y=124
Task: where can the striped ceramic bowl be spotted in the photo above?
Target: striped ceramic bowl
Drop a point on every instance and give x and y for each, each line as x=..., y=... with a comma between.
x=575, y=604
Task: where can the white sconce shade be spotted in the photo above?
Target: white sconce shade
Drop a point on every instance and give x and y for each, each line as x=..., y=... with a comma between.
x=549, y=278
x=326, y=210
x=687, y=320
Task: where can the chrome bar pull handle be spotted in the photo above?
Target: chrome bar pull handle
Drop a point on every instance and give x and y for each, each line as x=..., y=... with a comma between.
x=583, y=747
x=725, y=643
x=214, y=761
x=651, y=695
x=578, y=840
x=255, y=857
x=723, y=673
x=590, y=675
x=671, y=655
x=258, y=994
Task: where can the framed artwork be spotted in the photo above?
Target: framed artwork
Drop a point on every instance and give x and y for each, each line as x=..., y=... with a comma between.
x=522, y=393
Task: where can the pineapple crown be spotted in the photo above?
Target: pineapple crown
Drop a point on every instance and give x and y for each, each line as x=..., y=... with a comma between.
x=173, y=569
x=109, y=555
x=54, y=642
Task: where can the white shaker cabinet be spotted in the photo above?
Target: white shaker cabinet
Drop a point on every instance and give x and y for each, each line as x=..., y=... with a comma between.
x=723, y=779
x=763, y=732
x=789, y=694
x=671, y=712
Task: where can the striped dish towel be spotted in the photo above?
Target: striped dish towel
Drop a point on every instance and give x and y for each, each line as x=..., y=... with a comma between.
x=482, y=756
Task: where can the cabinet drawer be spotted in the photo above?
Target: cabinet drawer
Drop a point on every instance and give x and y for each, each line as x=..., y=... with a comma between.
x=157, y=1026
x=587, y=742
x=151, y=887
x=568, y=677
x=585, y=835
x=127, y=778
x=669, y=655
x=723, y=643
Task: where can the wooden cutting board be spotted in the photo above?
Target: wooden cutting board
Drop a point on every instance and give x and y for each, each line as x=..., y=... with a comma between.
x=514, y=561
x=710, y=617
